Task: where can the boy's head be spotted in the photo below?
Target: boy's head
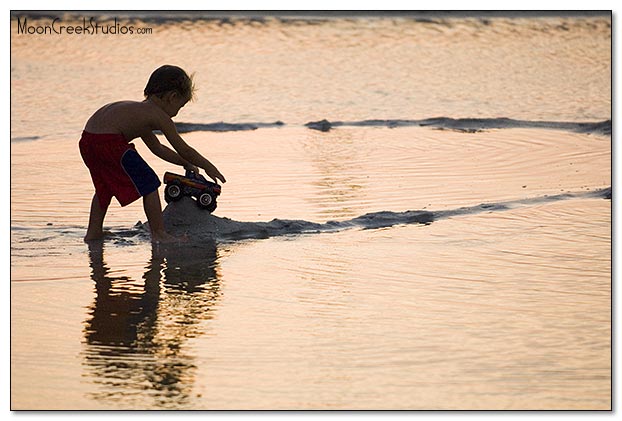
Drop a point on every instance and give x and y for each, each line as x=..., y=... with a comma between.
x=168, y=79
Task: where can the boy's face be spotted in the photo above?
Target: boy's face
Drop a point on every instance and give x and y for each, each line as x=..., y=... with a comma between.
x=174, y=102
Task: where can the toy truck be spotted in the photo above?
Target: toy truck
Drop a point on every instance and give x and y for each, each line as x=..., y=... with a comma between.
x=194, y=185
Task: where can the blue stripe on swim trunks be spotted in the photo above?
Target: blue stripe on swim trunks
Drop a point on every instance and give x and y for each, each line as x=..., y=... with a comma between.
x=141, y=174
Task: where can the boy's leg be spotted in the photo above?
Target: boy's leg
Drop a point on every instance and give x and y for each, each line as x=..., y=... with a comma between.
x=153, y=210
x=95, y=230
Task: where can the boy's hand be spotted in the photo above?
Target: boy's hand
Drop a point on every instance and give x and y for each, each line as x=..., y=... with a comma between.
x=211, y=171
x=190, y=167
x=214, y=174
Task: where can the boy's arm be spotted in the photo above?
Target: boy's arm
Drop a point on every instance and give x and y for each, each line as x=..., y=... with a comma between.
x=187, y=152
x=166, y=153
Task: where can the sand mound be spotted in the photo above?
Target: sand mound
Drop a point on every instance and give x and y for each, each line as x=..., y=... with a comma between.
x=185, y=217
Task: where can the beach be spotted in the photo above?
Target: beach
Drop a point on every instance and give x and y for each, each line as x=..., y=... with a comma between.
x=417, y=216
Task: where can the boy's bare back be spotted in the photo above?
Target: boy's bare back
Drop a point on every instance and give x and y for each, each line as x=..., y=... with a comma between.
x=132, y=119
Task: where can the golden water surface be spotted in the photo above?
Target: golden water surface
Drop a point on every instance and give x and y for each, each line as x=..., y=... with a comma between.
x=506, y=309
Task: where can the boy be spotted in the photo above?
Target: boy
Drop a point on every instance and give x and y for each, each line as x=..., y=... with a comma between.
x=115, y=166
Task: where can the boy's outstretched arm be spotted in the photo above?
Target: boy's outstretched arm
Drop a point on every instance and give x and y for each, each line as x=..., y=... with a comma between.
x=187, y=152
x=166, y=153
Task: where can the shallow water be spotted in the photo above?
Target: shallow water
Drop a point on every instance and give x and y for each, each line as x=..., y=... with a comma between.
x=501, y=301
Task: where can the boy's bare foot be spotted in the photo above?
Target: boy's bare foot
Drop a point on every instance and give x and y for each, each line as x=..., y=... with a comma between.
x=96, y=236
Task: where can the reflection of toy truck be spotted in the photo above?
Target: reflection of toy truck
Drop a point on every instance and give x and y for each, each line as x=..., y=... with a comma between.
x=192, y=184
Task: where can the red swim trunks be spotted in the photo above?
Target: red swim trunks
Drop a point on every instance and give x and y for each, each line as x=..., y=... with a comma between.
x=116, y=168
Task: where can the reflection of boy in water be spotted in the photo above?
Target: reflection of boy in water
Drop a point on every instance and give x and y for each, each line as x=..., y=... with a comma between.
x=135, y=335
x=116, y=168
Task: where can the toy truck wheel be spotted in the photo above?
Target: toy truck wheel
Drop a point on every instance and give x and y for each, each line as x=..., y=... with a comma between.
x=206, y=201
x=172, y=193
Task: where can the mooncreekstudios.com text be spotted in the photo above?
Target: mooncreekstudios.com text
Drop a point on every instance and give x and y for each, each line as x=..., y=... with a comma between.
x=88, y=27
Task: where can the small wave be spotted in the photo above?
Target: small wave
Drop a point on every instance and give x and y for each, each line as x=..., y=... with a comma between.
x=502, y=206
x=24, y=138
x=467, y=125
x=471, y=125
x=184, y=217
x=223, y=127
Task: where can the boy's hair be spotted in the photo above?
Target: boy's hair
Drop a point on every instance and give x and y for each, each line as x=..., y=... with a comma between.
x=169, y=78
